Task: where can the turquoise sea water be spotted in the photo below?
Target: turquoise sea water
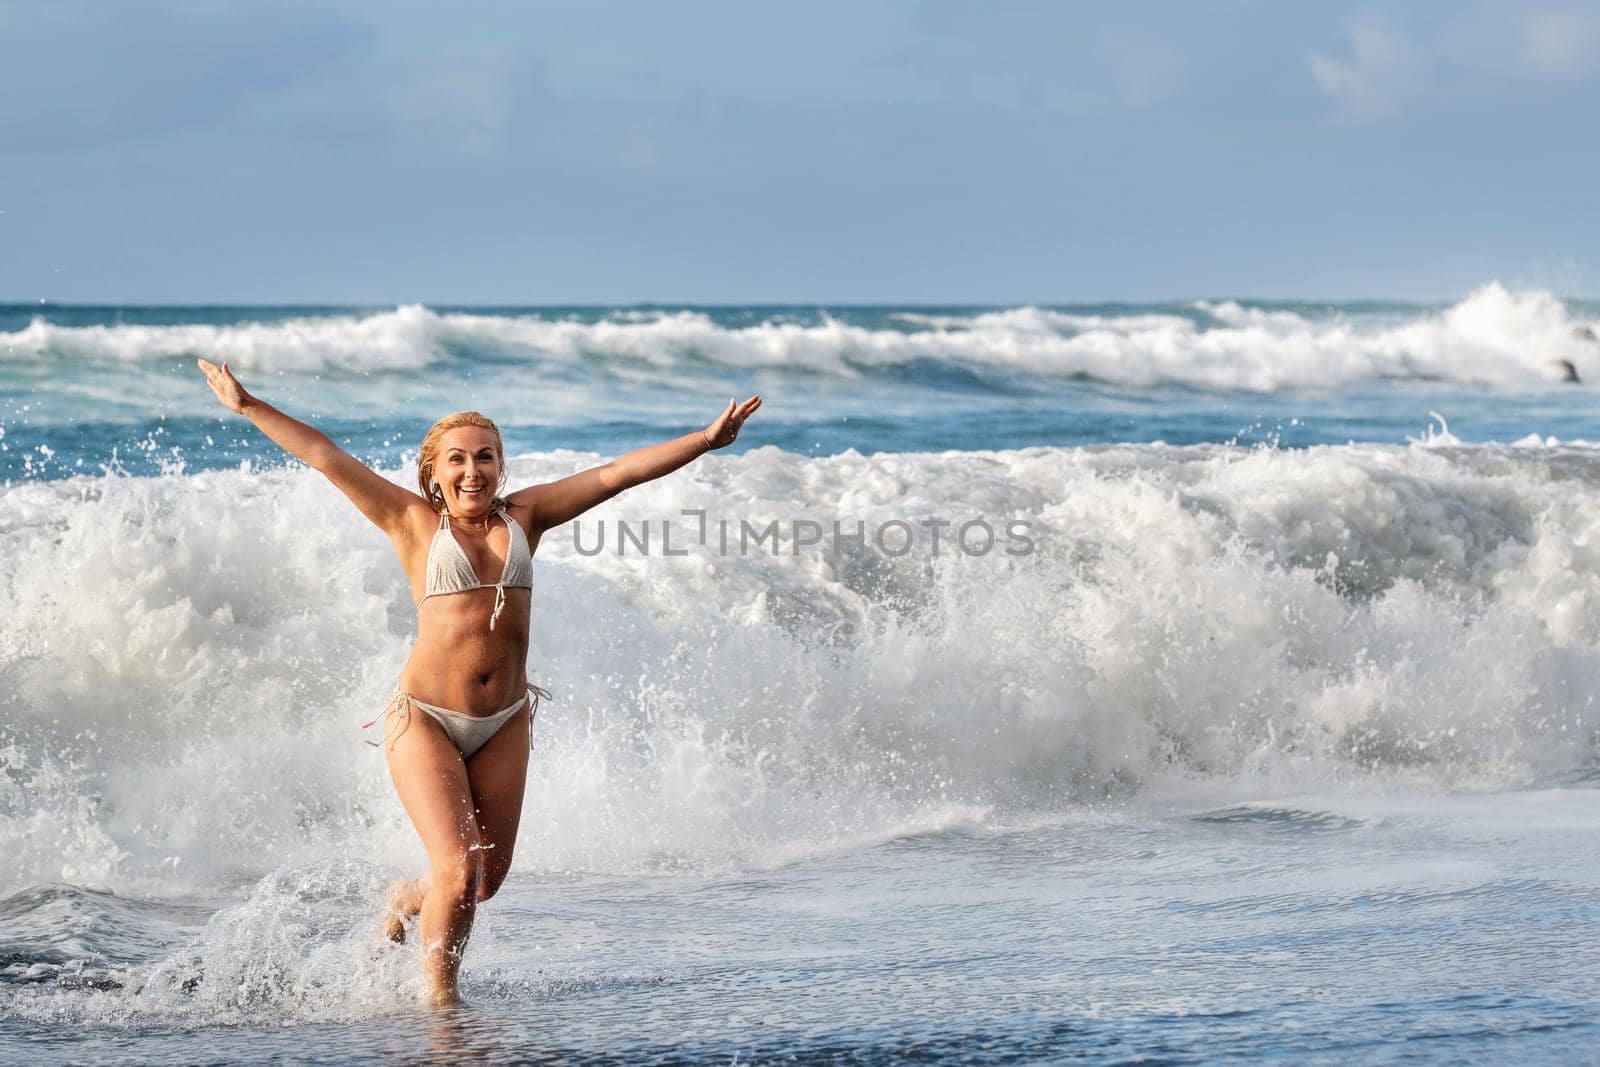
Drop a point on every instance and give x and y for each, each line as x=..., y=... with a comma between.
x=1278, y=744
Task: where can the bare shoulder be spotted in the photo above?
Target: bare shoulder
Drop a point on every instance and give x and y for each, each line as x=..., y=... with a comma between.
x=522, y=499
x=520, y=506
x=547, y=505
x=418, y=523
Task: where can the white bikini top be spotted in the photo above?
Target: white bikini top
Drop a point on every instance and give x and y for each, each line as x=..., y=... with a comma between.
x=450, y=571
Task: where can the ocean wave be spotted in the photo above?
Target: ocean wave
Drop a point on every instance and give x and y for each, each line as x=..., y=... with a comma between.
x=406, y=338
x=1494, y=338
x=185, y=658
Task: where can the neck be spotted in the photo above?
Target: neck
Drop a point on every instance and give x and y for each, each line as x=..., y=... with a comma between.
x=482, y=522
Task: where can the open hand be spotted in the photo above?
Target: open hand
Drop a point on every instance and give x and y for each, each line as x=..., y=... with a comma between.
x=225, y=385
x=722, y=432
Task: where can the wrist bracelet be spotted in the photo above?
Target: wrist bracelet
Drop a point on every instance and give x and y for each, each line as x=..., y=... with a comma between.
x=707, y=439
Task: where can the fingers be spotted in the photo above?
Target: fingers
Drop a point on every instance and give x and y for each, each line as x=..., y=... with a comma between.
x=222, y=382
x=725, y=427
x=745, y=410
x=738, y=411
x=213, y=372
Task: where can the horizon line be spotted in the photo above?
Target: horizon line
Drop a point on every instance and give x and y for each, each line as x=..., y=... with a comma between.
x=588, y=305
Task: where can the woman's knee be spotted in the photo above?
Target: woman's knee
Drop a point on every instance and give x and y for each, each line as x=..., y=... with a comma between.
x=458, y=879
x=494, y=876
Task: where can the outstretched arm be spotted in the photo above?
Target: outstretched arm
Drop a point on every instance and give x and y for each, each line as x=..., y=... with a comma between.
x=561, y=501
x=378, y=498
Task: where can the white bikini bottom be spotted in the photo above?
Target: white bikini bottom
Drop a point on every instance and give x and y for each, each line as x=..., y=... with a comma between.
x=467, y=732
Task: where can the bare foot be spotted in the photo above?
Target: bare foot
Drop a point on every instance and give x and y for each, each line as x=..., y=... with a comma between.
x=394, y=921
x=444, y=997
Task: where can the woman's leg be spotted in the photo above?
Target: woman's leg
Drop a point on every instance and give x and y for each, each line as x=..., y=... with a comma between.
x=497, y=774
x=432, y=783
x=405, y=901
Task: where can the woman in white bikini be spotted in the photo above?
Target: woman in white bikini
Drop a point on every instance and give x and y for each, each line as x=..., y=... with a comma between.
x=457, y=729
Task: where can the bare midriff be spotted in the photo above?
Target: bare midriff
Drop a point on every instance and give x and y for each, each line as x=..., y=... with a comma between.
x=461, y=664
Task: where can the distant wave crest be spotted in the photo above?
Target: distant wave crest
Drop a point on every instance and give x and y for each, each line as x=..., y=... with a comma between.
x=1494, y=338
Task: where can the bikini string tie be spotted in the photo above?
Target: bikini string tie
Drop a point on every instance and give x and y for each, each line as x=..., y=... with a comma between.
x=400, y=700
x=499, y=603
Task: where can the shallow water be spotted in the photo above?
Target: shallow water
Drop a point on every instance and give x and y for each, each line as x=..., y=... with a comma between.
x=1315, y=929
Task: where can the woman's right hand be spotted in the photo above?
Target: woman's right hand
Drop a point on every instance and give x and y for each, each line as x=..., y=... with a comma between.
x=225, y=385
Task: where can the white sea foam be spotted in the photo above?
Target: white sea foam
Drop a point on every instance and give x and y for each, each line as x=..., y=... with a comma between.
x=407, y=337
x=184, y=659
x=1494, y=338
x=299, y=947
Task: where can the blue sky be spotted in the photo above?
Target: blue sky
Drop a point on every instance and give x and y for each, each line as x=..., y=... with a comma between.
x=537, y=153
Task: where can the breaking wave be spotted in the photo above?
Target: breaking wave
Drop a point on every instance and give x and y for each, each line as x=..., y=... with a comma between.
x=1495, y=338
x=185, y=658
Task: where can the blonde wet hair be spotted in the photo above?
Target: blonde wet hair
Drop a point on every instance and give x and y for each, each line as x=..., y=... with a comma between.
x=428, y=456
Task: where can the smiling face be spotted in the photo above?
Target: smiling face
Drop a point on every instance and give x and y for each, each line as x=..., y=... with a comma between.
x=461, y=464
x=468, y=470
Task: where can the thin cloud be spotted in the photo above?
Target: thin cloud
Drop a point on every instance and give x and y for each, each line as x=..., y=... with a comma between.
x=468, y=97
x=77, y=74
x=1381, y=74
x=1561, y=44
x=1145, y=67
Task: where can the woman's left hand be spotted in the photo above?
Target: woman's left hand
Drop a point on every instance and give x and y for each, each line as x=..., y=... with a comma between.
x=229, y=392
x=723, y=432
